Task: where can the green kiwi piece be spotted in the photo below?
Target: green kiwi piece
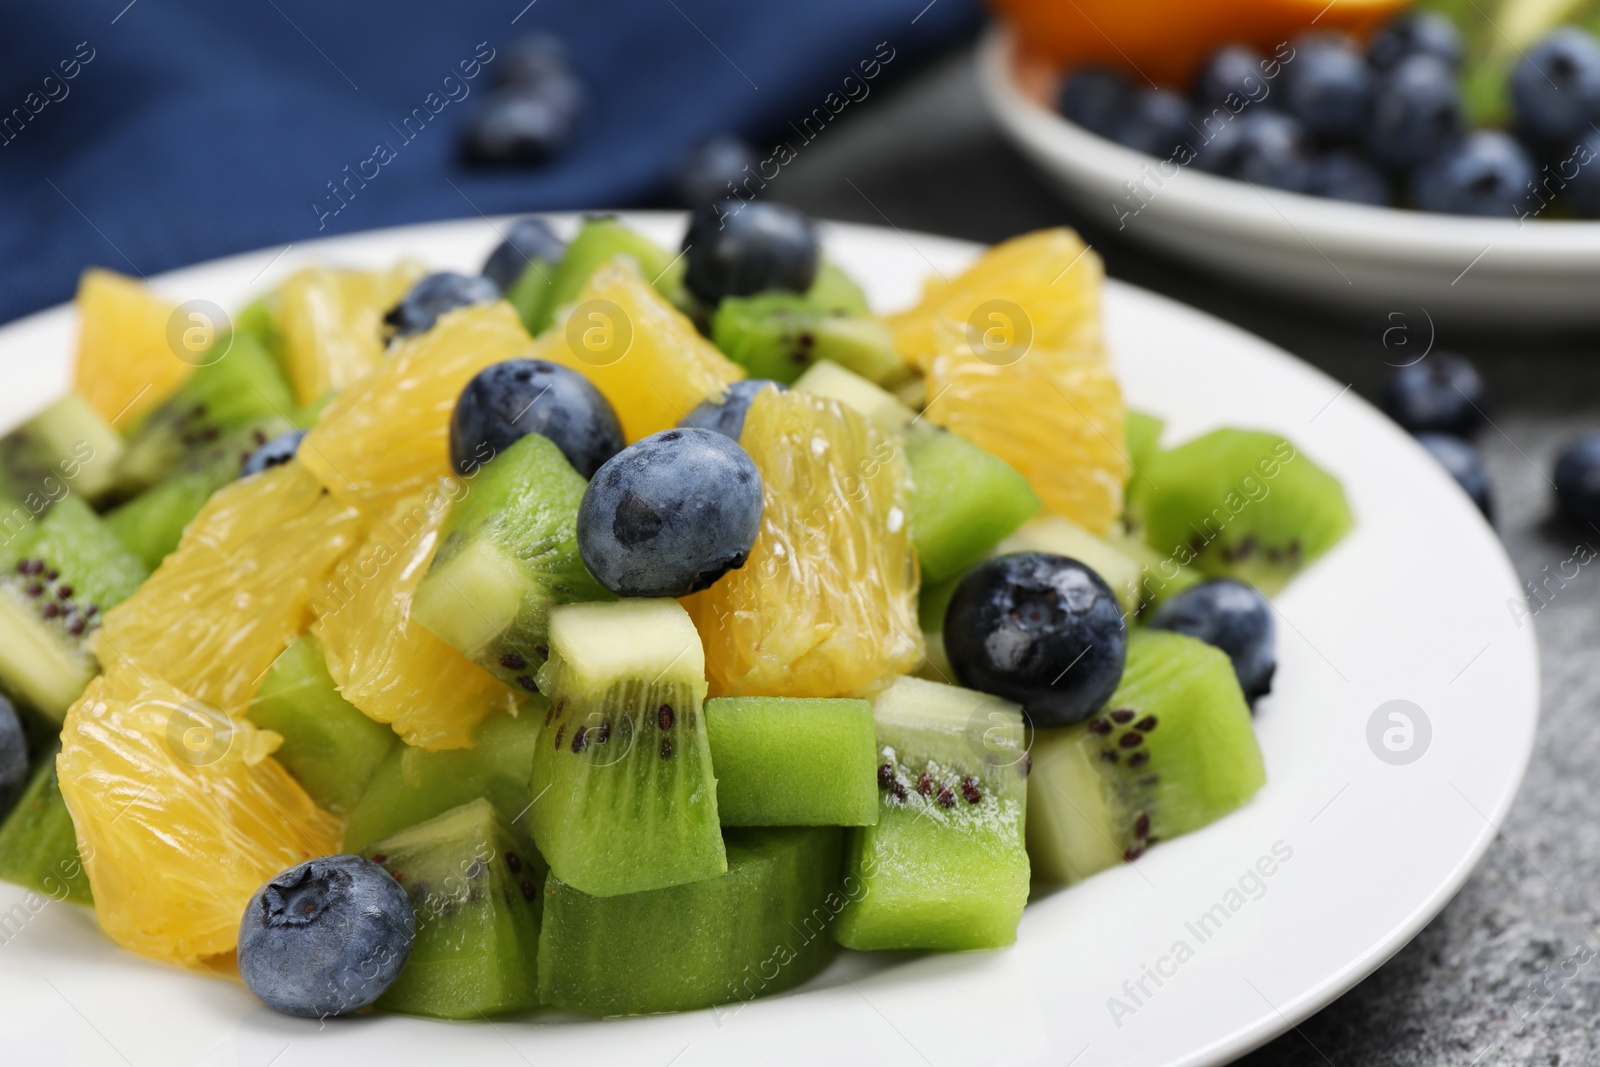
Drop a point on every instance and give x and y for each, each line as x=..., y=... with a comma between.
x=508, y=554
x=963, y=500
x=67, y=447
x=945, y=867
x=475, y=888
x=38, y=845
x=413, y=785
x=1172, y=751
x=1242, y=504
x=152, y=523
x=627, y=800
x=531, y=291
x=59, y=574
x=329, y=746
x=1142, y=432
x=827, y=378
x=793, y=761
x=241, y=389
x=599, y=241
x=759, y=929
x=777, y=335
x=834, y=290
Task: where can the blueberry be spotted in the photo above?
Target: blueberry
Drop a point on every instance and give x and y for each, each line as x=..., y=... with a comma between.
x=434, y=295
x=1416, y=113
x=1440, y=394
x=1095, y=98
x=1583, y=185
x=1157, y=123
x=670, y=514
x=1328, y=87
x=1416, y=33
x=734, y=248
x=326, y=937
x=530, y=60
x=1578, y=478
x=507, y=401
x=1341, y=175
x=1043, y=630
x=524, y=125
x=527, y=240
x=13, y=756
x=715, y=169
x=1487, y=173
x=1234, y=617
x=279, y=450
x=1271, y=150
x=1216, y=141
x=1465, y=466
x=726, y=414
x=1232, y=79
x=1555, y=90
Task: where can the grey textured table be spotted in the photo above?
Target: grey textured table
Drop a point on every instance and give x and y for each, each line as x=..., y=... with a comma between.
x=1484, y=983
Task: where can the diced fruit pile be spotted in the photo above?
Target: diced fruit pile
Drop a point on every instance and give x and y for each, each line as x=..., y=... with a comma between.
x=632, y=642
x=1440, y=109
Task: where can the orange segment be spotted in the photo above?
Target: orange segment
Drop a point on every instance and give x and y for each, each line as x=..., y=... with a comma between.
x=237, y=589
x=332, y=323
x=181, y=814
x=643, y=354
x=125, y=365
x=391, y=668
x=388, y=436
x=827, y=601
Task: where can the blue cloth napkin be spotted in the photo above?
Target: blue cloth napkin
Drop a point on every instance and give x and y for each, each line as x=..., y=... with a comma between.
x=147, y=135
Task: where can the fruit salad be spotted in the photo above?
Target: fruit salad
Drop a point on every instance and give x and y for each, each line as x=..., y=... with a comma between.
x=592, y=632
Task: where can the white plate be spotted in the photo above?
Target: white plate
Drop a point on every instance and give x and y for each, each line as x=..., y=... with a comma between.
x=1413, y=605
x=1376, y=260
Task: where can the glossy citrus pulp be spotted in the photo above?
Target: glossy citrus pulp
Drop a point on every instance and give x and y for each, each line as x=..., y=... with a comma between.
x=643, y=354
x=332, y=323
x=237, y=589
x=827, y=601
x=391, y=668
x=125, y=363
x=181, y=814
x=388, y=436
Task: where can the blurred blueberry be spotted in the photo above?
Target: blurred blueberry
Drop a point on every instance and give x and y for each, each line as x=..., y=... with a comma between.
x=1095, y=98
x=1341, y=175
x=13, y=757
x=1156, y=123
x=1442, y=393
x=1216, y=141
x=714, y=170
x=279, y=450
x=434, y=295
x=1416, y=33
x=527, y=240
x=1581, y=171
x=1486, y=173
x=1556, y=88
x=1465, y=466
x=1578, y=478
x=738, y=248
x=529, y=60
x=1231, y=79
x=1234, y=617
x=525, y=124
x=1328, y=87
x=1416, y=113
x=1271, y=151
x=726, y=414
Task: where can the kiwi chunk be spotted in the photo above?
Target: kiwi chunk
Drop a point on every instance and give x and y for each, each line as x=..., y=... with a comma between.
x=945, y=867
x=1142, y=432
x=67, y=447
x=627, y=798
x=59, y=574
x=476, y=892
x=827, y=378
x=413, y=785
x=1242, y=504
x=963, y=500
x=1172, y=751
x=793, y=761
x=241, y=389
x=38, y=845
x=599, y=241
x=329, y=746
x=759, y=929
x=509, y=553
x=777, y=335
x=834, y=290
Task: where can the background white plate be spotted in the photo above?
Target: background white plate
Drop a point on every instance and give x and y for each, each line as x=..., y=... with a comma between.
x=1413, y=605
x=1498, y=272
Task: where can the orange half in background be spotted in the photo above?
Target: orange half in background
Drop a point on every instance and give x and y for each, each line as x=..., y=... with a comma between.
x=1165, y=41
